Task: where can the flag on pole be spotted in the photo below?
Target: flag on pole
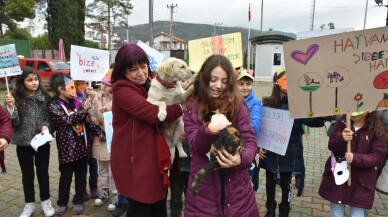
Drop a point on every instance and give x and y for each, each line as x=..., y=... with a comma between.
x=249, y=13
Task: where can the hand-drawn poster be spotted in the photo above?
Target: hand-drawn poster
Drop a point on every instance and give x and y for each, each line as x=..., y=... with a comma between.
x=229, y=45
x=108, y=126
x=337, y=74
x=275, y=130
x=88, y=64
x=9, y=64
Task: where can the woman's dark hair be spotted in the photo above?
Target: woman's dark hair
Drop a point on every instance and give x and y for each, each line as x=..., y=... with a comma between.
x=127, y=56
x=229, y=100
x=275, y=99
x=56, y=81
x=20, y=93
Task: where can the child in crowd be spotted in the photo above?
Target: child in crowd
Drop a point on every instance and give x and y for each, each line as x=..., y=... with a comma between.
x=72, y=136
x=27, y=106
x=368, y=136
x=226, y=191
x=293, y=160
x=244, y=85
x=81, y=91
x=96, y=104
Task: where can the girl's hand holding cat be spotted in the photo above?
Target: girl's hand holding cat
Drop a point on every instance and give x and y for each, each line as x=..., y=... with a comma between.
x=227, y=160
x=219, y=122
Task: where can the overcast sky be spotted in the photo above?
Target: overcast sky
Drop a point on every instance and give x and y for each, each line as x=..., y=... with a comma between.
x=280, y=15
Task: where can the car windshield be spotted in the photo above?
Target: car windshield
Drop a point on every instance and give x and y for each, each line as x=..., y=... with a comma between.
x=58, y=65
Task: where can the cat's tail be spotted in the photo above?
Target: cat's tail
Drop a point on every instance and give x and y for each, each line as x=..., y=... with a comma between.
x=202, y=173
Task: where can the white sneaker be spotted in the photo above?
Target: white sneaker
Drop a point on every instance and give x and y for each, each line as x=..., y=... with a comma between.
x=28, y=210
x=47, y=208
x=114, y=203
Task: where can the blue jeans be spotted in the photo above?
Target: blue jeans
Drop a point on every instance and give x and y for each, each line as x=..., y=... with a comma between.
x=338, y=210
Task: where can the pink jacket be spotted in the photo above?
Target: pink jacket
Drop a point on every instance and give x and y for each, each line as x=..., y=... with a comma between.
x=239, y=196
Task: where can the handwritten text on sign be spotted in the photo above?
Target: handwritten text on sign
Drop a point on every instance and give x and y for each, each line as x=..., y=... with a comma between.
x=337, y=74
x=9, y=64
x=276, y=126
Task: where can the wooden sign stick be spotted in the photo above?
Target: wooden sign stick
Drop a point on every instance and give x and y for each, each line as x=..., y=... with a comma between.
x=349, y=149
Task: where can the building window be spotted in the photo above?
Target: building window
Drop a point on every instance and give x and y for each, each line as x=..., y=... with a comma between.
x=277, y=59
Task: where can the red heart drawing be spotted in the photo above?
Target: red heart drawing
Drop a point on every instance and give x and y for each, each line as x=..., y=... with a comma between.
x=304, y=57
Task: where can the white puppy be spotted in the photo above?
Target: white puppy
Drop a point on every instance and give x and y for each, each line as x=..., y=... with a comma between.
x=166, y=90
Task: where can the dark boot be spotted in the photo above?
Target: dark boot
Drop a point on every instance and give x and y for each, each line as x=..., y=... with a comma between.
x=284, y=210
x=121, y=208
x=271, y=207
x=93, y=188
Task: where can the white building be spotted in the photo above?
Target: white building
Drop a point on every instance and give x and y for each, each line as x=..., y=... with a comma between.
x=34, y=26
x=162, y=42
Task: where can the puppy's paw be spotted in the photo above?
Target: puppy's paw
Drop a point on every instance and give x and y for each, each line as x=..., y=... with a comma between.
x=162, y=115
x=182, y=153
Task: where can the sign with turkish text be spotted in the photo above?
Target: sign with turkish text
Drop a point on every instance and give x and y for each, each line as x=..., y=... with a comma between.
x=229, y=45
x=9, y=64
x=337, y=74
x=88, y=64
x=154, y=56
x=275, y=130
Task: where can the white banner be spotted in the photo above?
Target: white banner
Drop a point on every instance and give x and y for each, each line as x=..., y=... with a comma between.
x=154, y=56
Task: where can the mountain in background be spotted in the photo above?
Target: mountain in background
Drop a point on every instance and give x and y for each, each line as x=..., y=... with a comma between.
x=189, y=31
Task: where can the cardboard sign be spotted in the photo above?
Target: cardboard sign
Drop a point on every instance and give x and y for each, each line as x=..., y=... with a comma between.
x=275, y=130
x=337, y=74
x=88, y=64
x=9, y=64
x=154, y=56
x=229, y=45
x=108, y=127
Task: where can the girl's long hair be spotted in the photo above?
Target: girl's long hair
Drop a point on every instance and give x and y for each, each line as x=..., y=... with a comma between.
x=376, y=123
x=275, y=99
x=20, y=93
x=228, y=101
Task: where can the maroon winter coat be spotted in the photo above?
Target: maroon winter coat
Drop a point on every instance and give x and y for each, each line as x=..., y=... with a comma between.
x=368, y=153
x=133, y=157
x=5, y=133
x=239, y=196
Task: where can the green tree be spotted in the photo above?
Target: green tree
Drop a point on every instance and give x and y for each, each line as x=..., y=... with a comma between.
x=108, y=14
x=91, y=44
x=18, y=33
x=40, y=43
x=14, y=10
x=66, y=20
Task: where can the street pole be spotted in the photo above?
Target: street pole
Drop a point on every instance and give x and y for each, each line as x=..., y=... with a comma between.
x=366, y=12
x=171, y=7
x=261, y=20
x=151, y=21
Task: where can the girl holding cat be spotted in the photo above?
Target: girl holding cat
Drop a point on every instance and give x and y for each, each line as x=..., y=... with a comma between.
x=226, y=191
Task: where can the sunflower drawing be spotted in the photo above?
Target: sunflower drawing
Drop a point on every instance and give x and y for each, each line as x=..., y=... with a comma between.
x=358, y=98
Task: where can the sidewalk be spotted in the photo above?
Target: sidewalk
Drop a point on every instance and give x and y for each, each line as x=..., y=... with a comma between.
x=309, y=204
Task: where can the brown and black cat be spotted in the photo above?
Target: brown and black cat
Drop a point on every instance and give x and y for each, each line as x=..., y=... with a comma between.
x=230, y=139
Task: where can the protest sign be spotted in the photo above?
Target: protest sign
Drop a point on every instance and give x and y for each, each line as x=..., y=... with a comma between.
x=88, y=64
x=275, y=130
x=154, y=56
x=229, y=45
x=108, y=127
x=337, y=74
x=9, y=64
